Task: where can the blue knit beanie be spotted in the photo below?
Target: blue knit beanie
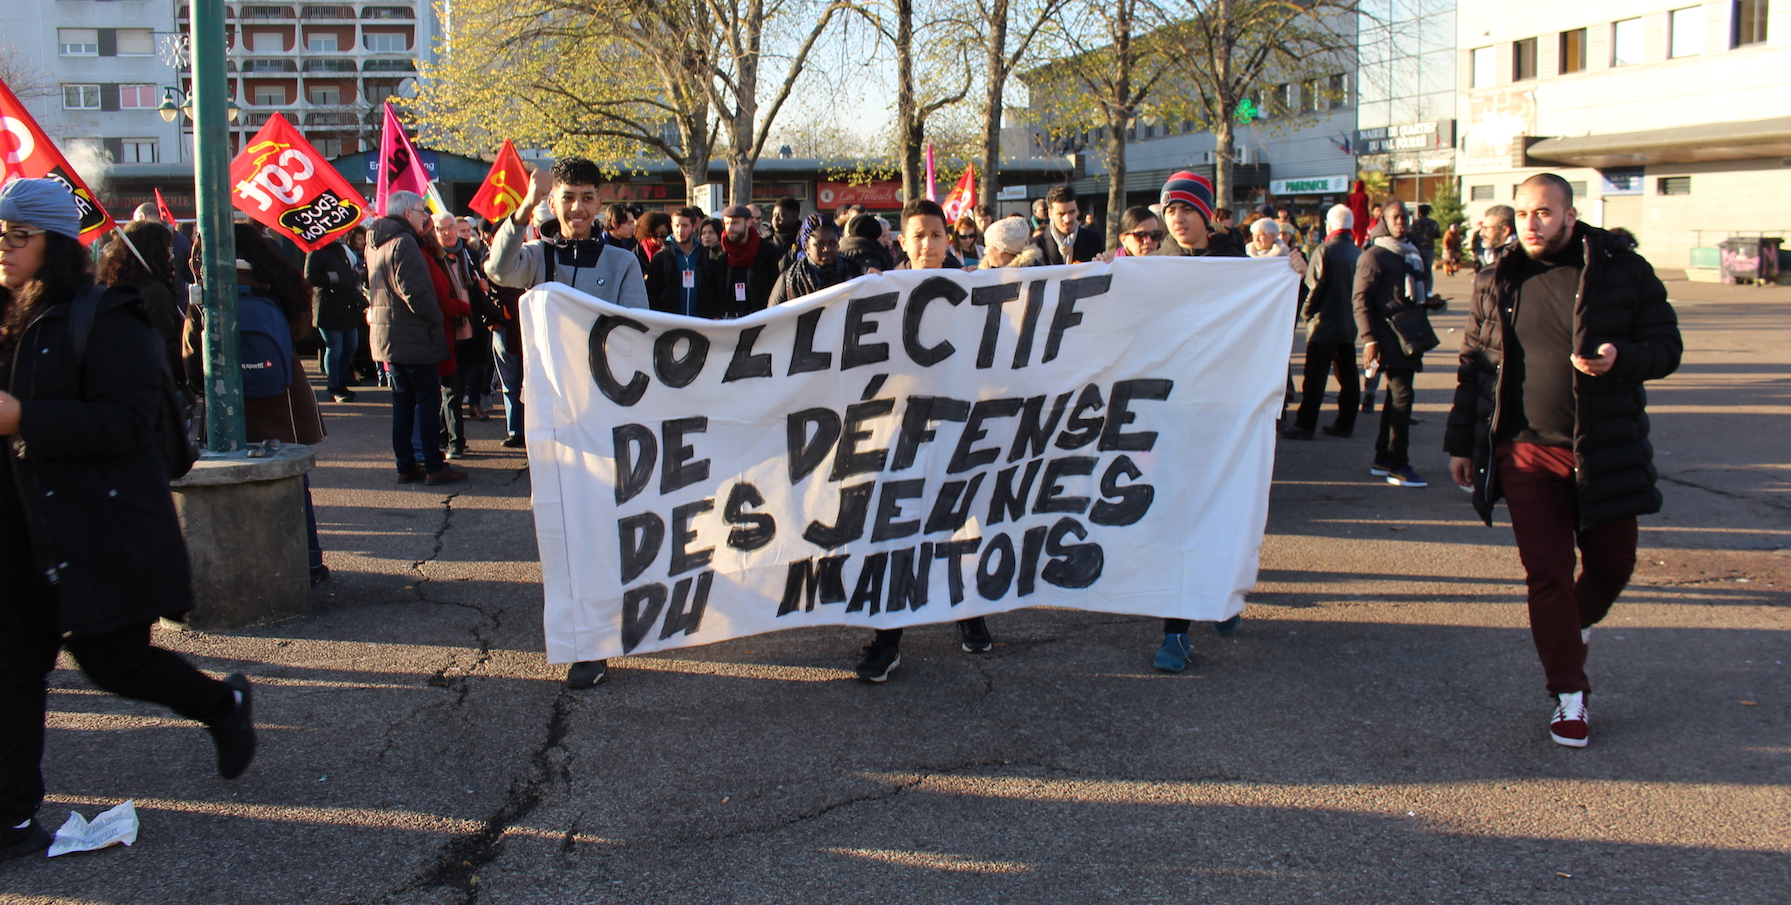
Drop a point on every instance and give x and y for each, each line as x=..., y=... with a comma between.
x=43, y=203
x=1192, y=189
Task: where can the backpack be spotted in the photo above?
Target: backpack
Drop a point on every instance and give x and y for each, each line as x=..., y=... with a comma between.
x=174, y=417
x=265, y=341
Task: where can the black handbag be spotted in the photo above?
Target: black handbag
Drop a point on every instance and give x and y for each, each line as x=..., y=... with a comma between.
x=1412, y=326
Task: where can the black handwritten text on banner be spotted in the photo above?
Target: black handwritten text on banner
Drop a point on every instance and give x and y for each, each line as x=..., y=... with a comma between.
x=915, y=447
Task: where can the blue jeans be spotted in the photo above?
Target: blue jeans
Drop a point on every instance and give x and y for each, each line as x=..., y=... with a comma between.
x=338, y=356
x=416, y=411
x=509, y=369
x=314, y=545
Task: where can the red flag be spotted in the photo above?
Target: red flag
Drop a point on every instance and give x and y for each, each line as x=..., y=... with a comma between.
x=161, y=208
x=280, y=180
x=962, y=200
x=505, y=186
x=26, y=153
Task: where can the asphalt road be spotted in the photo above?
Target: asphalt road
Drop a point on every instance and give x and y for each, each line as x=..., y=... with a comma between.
x=1375, y=733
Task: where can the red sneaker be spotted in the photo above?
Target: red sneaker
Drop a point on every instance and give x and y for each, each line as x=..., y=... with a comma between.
x=1568, y=727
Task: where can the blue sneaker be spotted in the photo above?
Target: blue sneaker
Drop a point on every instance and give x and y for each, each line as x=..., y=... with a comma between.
x=1175, y=654
x=1228, y=626
x=1406, y=477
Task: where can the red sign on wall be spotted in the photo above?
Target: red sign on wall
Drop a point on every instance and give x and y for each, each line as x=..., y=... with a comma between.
x=280, y=180
x=881, y=195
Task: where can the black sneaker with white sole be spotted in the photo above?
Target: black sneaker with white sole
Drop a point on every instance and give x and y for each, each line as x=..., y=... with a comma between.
x=586, y=673
x=879, y=661
x=973, y=634
x=23, y=841
x=1381, y=468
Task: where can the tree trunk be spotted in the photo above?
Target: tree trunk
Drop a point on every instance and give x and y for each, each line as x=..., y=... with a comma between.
x=1118, y=124
x=996, y=81
x=1222, y=137
x=910, y=132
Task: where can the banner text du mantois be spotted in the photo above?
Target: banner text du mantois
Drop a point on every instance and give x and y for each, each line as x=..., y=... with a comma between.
x=910, y=448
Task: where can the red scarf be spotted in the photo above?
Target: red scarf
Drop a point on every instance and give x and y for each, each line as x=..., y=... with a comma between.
x=652, y=247
x=744, y=254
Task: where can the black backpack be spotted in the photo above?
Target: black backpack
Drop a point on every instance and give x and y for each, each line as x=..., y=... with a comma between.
x=174, y=419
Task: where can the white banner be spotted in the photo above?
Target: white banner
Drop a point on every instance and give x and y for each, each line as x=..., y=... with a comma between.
x=915, y=447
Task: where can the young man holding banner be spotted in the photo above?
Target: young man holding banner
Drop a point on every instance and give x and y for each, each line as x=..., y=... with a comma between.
x=925, y=238
x=579, y=259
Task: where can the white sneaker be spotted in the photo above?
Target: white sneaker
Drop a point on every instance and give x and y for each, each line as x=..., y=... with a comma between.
x=1569, y=724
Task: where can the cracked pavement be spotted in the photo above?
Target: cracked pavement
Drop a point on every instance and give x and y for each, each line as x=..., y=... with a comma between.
x=1375, y=732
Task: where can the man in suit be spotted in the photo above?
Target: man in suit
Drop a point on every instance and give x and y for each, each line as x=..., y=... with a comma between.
x=1062, y=240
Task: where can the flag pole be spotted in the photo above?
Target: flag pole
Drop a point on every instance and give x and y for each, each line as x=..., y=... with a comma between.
x=133, y=247
x=224, y=427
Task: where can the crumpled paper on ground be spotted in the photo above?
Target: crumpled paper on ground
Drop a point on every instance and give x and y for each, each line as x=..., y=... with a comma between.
x=118, y=825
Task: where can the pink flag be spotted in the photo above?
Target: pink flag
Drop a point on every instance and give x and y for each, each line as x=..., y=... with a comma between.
x=932, y=193
x=400, y=169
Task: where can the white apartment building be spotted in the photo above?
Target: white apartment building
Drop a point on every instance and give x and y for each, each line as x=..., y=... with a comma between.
x=1667, y=116
x=102, y=68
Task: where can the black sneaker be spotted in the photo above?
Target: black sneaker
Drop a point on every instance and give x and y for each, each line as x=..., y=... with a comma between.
x=974, y=635
x=19, y=842
x=515, y=441
x=1332, y=431
x=235, y=734
x=586, y=673
x=319, y=575
x=1368, y=403
x=1294, y=433
x=879, y=661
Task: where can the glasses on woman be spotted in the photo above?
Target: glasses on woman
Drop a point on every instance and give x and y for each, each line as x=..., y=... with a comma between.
x=966, y=237
x=17, y=238
x=1146, y=235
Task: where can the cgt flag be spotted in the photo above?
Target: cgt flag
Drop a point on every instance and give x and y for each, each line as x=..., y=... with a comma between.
x=26, y=153
x=962, y=200
x=280, y=180
x=400, y=169
x=504, y=188
x=162, y=209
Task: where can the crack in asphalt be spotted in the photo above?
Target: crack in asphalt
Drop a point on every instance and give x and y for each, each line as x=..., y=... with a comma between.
x=1728, y=493
x=458, y=863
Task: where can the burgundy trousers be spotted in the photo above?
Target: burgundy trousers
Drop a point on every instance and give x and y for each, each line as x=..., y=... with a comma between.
x=1539, y=492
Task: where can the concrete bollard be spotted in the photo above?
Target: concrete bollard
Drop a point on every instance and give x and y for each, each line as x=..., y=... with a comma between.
x=244, y=524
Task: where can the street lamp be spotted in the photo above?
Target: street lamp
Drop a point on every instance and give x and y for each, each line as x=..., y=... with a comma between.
x=169, y=109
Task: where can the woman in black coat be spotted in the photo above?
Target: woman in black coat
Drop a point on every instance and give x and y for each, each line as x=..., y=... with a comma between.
x=339, y=309
x=89, y=541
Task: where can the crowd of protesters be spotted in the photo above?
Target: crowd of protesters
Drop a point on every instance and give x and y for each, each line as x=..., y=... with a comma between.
x=1565, y=324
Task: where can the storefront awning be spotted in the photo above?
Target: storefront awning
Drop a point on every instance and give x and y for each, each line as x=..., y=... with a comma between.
x=1751, y=140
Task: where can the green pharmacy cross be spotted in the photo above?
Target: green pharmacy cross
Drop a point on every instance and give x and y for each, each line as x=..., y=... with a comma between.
x=1246, y=111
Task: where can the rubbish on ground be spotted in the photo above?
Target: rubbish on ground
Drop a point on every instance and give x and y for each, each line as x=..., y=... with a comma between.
x=118, y=825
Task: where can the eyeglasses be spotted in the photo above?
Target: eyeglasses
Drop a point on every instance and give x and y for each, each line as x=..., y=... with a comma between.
x=18, y=238
x=1147, y=235
x=966, y=236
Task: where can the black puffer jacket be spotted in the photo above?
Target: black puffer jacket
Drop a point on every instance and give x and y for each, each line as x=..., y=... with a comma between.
x=93, y=486
x=1621, y=302
x=338, y=298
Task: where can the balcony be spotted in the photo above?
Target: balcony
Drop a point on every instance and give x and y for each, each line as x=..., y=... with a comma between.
x=388, y=12
x=328, y=65
x=327, y=12
x=268, y=67
x=389, y=66
x=267, y=12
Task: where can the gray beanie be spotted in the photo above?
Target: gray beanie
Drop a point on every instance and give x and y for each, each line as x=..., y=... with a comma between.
x=43, y=203
x=1009, y=235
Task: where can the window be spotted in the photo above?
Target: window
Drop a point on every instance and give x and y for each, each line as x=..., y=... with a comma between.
x=385, y=43
x=326, y=95
x=135, y=42
x=1338, y=94
x=80, y=97
x=1626, y=42
x=321, y=43
x=1484, y=61
x=1686, y=32
x=266, y=96
x=1310, y=99
x=1480, y=193
x=1523, y=59
x=1749, y=18
x=138, y=150
x=137, y=97
x=1673, y=185
x=78, y=42
x=1573, y=51
x=328, y=147
x=1578, y=189
x=267, y=42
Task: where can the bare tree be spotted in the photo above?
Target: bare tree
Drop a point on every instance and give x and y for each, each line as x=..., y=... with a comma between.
x=1008, y=30
x=610, y=78
x=1227, y=50
x=23, y=75
x=942, y=49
